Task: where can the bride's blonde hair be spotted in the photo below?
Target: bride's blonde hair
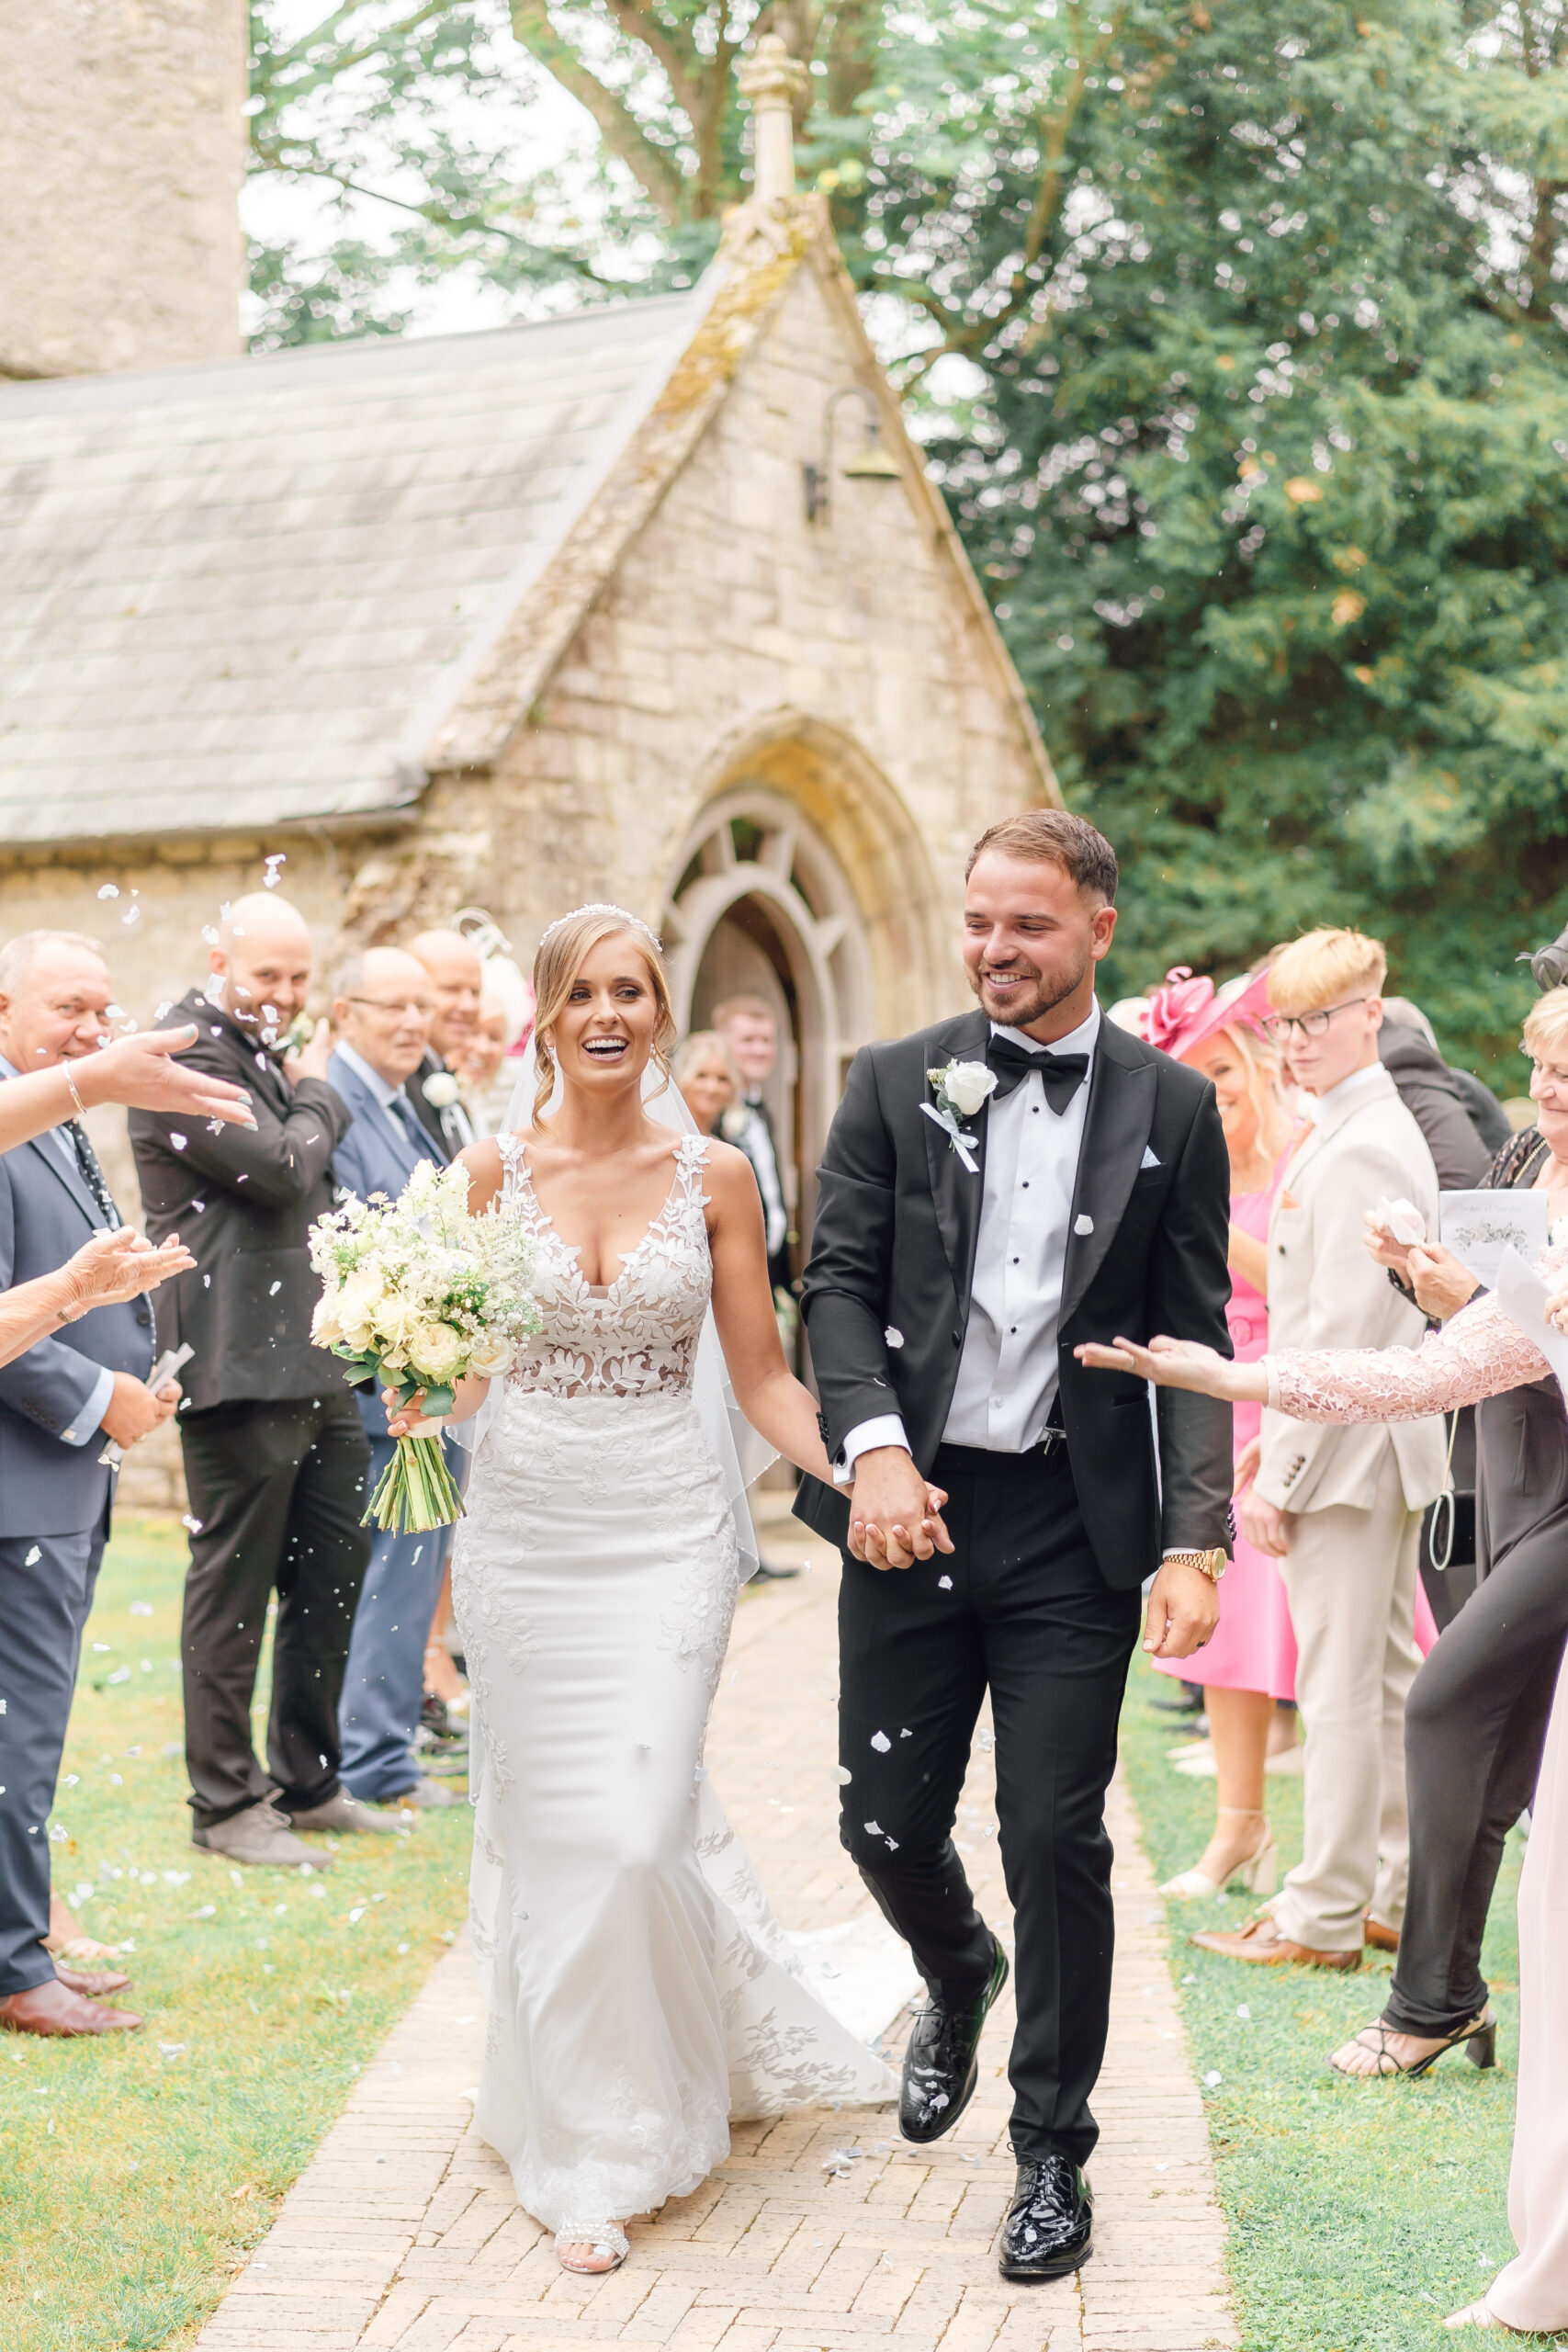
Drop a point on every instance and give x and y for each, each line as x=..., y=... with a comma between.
x=563, y=951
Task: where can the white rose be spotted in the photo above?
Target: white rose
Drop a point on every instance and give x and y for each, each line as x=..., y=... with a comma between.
x=396, y=1320
x=492, y=1356
x=326, y=1329
x=436, y=1350
x=441, y=1089
x=360, y=1296
x=967, y=1085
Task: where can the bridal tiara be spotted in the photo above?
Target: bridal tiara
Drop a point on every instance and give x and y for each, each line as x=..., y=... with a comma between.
x=602, y=907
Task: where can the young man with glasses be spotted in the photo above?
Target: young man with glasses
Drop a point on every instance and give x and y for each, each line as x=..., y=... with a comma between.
x=1341, y=1508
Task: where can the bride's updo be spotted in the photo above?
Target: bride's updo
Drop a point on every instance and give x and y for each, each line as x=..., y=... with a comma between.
x=562, y=952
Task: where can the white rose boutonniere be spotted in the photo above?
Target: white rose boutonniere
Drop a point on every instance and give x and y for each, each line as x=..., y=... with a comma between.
x=733, y=1125
x=962, y=1089
x=441, y=1089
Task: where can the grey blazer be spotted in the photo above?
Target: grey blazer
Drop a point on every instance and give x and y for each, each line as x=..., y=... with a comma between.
x=48, y=1488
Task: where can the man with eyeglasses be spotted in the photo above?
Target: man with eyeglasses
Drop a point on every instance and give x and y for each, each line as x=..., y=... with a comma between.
x=1341, y=1509
x=381, y=1015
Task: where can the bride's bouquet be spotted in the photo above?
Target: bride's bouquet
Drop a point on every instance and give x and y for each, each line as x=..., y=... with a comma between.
x=418, y=1294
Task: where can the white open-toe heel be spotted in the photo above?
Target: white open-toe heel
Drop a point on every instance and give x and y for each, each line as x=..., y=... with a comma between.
x=603, y=2237
x=1259, y=1874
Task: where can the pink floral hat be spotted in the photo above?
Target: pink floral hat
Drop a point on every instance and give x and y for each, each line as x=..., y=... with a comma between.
x=1187, y=1012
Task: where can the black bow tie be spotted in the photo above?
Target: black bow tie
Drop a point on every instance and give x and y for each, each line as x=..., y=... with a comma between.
x=1060, y=1074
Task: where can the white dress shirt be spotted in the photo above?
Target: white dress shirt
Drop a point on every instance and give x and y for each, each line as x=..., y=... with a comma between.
x=1007, y=1374
x=758, y=1147
x=90, y=1418
x=1342, y=1096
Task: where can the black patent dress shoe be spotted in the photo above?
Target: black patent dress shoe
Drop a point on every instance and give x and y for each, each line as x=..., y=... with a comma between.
x=940, y=2066
x=1050, y=2222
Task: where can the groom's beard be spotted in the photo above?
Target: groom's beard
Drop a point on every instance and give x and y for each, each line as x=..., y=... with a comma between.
x=1030, y=1004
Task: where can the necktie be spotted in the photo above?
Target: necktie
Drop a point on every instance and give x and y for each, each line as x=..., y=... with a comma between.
x=92, y=1174
x=1062, y=1074
x=408, y=1118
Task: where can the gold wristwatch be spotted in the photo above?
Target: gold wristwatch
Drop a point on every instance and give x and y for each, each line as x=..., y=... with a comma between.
x=1209, y=1563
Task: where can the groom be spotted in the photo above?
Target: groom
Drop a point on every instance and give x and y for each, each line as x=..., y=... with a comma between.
x=957, y=1260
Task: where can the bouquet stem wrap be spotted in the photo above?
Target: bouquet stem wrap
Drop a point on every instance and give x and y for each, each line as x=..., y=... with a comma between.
x=416, y=1490
x=417, y=1294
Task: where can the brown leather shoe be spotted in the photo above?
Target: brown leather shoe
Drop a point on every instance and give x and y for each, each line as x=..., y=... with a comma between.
x=1380, y=1939
x=1261, y=1943
x=55, y=2009
x=91, y=1980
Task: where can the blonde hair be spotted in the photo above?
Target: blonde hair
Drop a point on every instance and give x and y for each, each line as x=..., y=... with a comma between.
x=563, y=951
x=1546, y=1024
x=700, y=1043
x=1260, y=1060
x=1318, y=969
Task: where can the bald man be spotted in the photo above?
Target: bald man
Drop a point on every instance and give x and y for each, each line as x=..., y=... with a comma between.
x=457, y=976
x=276, y=1457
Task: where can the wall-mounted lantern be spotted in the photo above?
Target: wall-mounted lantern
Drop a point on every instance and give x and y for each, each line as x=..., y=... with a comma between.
x=872, y=461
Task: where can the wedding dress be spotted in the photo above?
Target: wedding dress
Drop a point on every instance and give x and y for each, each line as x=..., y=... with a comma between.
x=640, y=1991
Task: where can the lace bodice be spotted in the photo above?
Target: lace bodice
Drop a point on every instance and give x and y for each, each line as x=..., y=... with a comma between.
x=1480, y=1353
x=638, y=1335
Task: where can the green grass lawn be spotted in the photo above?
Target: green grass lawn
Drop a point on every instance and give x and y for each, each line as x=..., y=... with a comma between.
x=135, y=2169
x=1359, y=2214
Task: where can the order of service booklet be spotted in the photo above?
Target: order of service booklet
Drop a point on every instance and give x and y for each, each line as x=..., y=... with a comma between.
x=1479, y=1226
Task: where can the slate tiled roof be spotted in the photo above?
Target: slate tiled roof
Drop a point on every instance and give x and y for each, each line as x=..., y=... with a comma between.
x=246, y=592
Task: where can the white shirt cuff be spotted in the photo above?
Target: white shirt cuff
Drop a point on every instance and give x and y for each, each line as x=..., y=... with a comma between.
x=887, y=1429
x=89, y=1418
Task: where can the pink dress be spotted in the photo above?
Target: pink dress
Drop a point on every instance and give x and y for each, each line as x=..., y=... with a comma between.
x=1254, y=1647
x=1479, y=1354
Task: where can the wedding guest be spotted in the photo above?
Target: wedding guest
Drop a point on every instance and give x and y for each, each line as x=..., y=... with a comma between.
x=484, y=1068
x=705, y=1073
x=275, y=1454
x=138, y=1072
x=382, y=1010
x=435, y=1090
x=72, y=1389
x=1475, y=1723
x=1249, y=1662
x=1460, y=1136
x=1341, y=1509
x=1479, y=1354
x=750, y=1028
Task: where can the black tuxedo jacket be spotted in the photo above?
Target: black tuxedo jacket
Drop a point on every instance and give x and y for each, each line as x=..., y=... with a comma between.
x=898, y=1220
x=242, y=1200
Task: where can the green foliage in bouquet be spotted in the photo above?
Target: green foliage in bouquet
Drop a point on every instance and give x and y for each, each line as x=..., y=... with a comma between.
x=417, y=1294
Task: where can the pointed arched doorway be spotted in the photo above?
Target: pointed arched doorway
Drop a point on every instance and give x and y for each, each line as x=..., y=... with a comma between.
x=762, y=908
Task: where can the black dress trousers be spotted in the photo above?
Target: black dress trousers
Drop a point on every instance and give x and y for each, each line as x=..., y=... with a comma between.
x=1020, y=1607
x=1475, y=1720
x=278, y=1488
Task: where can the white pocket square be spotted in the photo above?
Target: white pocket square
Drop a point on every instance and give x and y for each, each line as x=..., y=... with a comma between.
x=1149, y=1159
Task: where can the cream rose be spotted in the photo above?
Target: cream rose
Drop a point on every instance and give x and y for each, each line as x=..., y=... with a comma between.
x=966, y=1085
x=491, y=1357
x=326, y=1327
x=436, y=1350
x=360, y=1296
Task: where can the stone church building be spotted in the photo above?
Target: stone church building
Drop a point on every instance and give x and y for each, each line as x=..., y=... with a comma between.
x=654, y=604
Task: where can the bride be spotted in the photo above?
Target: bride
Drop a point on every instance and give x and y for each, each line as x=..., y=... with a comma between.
x=640, y=1991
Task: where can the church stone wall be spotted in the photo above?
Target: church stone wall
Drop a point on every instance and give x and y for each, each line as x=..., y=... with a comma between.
x=122, y=150
x=729, y=608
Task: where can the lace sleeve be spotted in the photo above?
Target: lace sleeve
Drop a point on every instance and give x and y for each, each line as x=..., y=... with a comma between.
x=1479, y=1354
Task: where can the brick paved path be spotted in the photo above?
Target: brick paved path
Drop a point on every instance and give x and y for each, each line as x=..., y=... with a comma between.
x=403, y=2231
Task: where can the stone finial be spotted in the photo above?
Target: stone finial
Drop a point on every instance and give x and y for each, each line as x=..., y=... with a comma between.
x=771, y=80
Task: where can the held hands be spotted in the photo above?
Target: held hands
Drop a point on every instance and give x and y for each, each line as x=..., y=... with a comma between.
x=895, y=1517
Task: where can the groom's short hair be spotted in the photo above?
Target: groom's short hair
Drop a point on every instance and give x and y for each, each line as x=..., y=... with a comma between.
x=1054, y=836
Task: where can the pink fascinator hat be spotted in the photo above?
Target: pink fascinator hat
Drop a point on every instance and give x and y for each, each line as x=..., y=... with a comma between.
x=1186, y=1011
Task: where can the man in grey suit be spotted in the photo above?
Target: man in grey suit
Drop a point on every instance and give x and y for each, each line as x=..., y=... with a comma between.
x=58, y=1404
x=381, y=1018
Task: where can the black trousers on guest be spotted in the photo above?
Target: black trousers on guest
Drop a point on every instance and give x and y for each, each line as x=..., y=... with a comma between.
x=1475, y=1720
x=279, y=1489
x=1021, y=1609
